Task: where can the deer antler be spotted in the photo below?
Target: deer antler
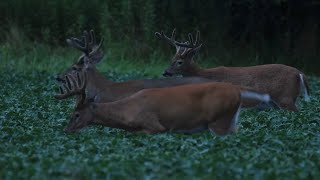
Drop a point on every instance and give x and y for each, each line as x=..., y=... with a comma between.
x=177, y=44
x=95, y=48
x=73, y=87
x=81, y=45
x=171, y=40
x=191, y=43
x=87, y=44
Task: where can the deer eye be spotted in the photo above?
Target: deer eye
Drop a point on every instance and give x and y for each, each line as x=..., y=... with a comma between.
x=179, y=63
x=74, y=68
x=77, y=115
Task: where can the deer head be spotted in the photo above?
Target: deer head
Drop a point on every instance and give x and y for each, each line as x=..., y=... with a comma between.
x=80, y=118
x=185, y=53
x=82, y=115
x=92, y=55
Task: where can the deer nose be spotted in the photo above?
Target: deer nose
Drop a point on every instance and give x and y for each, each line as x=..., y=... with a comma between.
x=166, y=74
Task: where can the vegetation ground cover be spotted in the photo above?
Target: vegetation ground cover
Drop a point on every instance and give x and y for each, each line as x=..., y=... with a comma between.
x=269, y=144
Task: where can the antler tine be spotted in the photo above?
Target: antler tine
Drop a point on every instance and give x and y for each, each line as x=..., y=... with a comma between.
x=82, y=87
x=71, y=87
x=86, y=42
x=173, y=35
x=197, y=38
x=171, y=40
x=61, y=90
x=186, y=44
x=79, y=44
x=74, y=42
x=191, y=39
x=78, y=41
x=62, y=95
x=97, y=47
x=93, y=38
x=78, y=80
x=192, y=44
x=84, y=82
x=81, y=81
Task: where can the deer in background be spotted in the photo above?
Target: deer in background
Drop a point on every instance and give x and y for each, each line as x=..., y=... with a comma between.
x=186, y=108
x=282, y=82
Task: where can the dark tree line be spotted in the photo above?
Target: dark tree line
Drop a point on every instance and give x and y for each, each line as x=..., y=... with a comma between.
x=235, y=32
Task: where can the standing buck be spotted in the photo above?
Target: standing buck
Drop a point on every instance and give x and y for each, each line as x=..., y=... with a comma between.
x=282, y=82
x=187, y=108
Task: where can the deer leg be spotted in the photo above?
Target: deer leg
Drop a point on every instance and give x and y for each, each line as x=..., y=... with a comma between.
x=287, y=99
x=289, y=104
x=217, y=129
x=267, y=105
x=149, y=123
x=226, y=124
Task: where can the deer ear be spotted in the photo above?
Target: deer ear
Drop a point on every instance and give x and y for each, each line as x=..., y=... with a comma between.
x=192, y=52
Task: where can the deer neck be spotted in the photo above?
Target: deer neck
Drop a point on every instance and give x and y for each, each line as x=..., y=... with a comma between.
x=192, y=70
x=96, y=82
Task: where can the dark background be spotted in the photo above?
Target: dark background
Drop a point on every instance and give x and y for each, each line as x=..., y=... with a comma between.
x=234, y=32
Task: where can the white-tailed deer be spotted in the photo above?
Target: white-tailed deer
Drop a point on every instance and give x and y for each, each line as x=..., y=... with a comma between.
x=97, y=83
x=100, y=89
x=282, y=82
x=186, y=108
x=112, y=91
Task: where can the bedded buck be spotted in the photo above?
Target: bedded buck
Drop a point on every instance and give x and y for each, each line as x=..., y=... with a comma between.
x=282, y=82
x=186, y=108
x=97, y=83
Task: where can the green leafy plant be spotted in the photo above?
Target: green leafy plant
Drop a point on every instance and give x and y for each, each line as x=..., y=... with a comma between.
x=269, y=144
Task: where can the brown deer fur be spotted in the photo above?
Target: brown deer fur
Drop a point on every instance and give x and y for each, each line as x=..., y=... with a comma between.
x=282, y=82
x=186, y=108
x=101, y=89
